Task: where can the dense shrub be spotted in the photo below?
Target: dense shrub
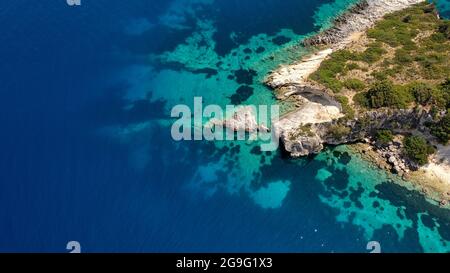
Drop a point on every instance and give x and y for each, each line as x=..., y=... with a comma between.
x=422, y=92
x=330, y=68
x=373, y=53
x=361, y=100
x=402, y=56
x=444, y=29
x=384, y=136
x=444, y=90
x=354, y=84
x=441, y=129
x=352, y=66
x=346, y=108
x=417, y=149
x=385, y=94
x=339, y=131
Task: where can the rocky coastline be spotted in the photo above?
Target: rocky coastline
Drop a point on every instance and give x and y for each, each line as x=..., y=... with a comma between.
x=318, y=119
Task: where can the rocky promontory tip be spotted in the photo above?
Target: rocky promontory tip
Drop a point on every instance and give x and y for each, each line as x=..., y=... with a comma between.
x=380, y=76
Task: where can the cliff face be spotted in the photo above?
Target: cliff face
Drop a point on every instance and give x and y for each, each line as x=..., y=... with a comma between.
x=333, y=133
x=316, y=120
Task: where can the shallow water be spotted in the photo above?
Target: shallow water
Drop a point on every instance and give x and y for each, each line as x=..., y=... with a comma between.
x=87, y=153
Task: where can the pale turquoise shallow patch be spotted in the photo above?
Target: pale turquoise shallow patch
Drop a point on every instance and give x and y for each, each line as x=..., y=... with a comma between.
x=323, y=174
x=272, y=195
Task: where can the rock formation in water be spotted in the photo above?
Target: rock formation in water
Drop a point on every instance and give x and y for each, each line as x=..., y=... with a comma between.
x=243, y=119
x=314, y=123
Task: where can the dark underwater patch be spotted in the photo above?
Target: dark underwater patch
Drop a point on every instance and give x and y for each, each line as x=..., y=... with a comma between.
x=336, y=154
x=414, y=203
x=244, y=76
x=281, y=40
x=208, y=71
x=347, y=204
x=355, y=196
x=399, y=213
x=256, y=150
x=242, y=94
x=260, y=50
x=267, y=17
x=427, y=220
x=345, y=158
x=375, y=204
x=235, y=150
x=338, y=181
x=444, y=230
x=113, y=108
x=158, y=39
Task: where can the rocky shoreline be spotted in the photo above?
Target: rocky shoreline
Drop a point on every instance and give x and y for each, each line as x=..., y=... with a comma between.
x=359, y=18
x=434, y=189
x=307, y=129
x=292, y=80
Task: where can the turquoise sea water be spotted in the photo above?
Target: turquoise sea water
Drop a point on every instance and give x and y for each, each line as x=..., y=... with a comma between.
x=90, y=156
x=353, y=189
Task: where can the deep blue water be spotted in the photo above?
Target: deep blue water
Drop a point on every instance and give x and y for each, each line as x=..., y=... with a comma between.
x=73, y=168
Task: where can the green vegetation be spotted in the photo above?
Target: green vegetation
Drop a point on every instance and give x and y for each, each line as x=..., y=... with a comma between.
x=386, y=94
x=444, y=94
x=441, y=129
x=339, y=131
x=403, y=56
x=354, y=84
x=417, y=149
x=405, y=64
x=361, y=100
x=303, y=130
x=419, y=41
x=372, y=54
x=330, y=68
x=352, y=66
x=346, y=108
x=444, y=29
x=422, y=92
x=384, y=136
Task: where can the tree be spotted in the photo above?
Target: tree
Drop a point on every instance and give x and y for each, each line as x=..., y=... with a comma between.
x=422, y=92
x=417, y=149
x=384, y=136
x=339, y=131
x=385, y=94
x=441, y=129
x=444, y=28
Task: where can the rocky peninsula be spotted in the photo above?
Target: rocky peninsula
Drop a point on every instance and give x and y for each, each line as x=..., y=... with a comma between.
x=379, y=77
